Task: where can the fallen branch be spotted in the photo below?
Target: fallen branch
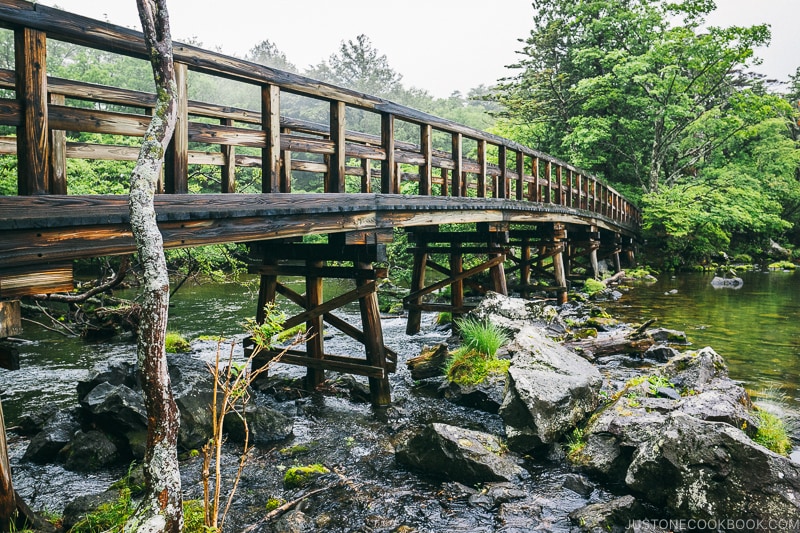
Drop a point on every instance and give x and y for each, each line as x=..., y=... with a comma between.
x=78, y=298
x=616, y=278
x=45, y=327
x=286, y=506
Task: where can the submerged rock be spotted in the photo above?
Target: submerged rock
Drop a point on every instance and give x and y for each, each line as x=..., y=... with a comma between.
x=550, y=390
x=264, y=424
x=730, y=283
x=459, y=454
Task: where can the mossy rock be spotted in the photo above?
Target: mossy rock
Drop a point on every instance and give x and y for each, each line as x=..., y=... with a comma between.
x=176, y=343
x=585, y=333
x=301, y=476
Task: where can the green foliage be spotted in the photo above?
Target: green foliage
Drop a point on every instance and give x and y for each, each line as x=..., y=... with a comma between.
x=467, y=366
x=445, y=317
x=300, y=476
x=482, y=336
x=782, y=265
x=176, y=343
x=263, y=334
x=592, y=286
x=772, y=433
x=576, y=442
x=274, y=503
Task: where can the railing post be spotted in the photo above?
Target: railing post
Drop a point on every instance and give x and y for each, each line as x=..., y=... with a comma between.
x=176, y=164
x=579, y=188
x=482, y=164
x=388, y=167
x=366, y=178
x=520, y=175
x=339, y=158
x=443, y=190
x=501, y=188
x=426, y=169
x=548, y=175
x=536, y=191
x=458, y=163
x=271, y=126
x=33, y=143
x=286, y=167
x=560, y=182
x=228, y=170
x=58, y=153
x=570, y=198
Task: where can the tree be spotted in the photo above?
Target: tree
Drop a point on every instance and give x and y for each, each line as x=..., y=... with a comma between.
x=161, y=508
x=266, y=53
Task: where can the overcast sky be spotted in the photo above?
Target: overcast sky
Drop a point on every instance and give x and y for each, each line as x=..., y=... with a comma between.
x=438, y=45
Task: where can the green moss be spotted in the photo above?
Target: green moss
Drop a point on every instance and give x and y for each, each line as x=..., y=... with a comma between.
x=293, y=451
x=575, y=444
x=216, y=338
x=772, y=433
x=274, y=503
x=639, y=273
x=466, y=366
x=300, y=476
x=585, y=333
x=176, y=343
x=592, y=286
x=445, y=317
x=782, y=265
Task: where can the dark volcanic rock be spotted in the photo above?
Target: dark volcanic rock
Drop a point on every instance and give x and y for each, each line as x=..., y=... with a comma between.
x=459, y=454
x=117, y=407
x=56, y=433
x=90, y=450
x=486, y=396
x=611, y=516
x=265, y=425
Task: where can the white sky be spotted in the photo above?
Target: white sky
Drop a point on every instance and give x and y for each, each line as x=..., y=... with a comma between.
x=438, y=45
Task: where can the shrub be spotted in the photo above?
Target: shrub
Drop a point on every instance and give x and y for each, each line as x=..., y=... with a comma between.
x=782, y=265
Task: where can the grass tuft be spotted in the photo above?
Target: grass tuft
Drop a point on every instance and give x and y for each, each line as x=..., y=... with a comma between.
x=482, y=336
x=772, y=433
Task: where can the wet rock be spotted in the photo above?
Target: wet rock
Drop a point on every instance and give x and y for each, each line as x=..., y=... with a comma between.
x=710, y=469
x=265, y=425
x=117, y=407
x=722, y=400
x=293, y=522
x=550, y=390
x=56, y=433
x=610, y=516
x=513, y=314
x=31, y=423
x=578, y=484
x=668, y=392
x=486, y=396
x=196, y=427
x=78, y=508
x=459, y=454
x=116, y=372
x=694, y=370
x=669, y=336
x=429, y=363
x=660, y=352
x=89, y=451
x=733, y=283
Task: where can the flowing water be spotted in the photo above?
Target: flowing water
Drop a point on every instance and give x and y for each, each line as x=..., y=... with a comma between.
x=756, y=328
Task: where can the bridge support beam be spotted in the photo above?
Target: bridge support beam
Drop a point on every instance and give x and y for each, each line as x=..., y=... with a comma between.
x=281, y=259
x=559, y=243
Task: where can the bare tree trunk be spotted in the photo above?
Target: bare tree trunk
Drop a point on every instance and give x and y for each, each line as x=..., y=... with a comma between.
x=161, y=509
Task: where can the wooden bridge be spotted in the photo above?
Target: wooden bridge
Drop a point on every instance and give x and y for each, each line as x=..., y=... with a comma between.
x=503, y=202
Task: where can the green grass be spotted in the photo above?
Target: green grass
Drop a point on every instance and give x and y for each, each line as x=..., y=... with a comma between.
x=482, y=336
x=772, y=433
x=467, y=366
x=176, y=343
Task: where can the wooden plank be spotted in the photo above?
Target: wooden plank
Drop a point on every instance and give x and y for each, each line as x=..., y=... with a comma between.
x=338, y=162
x=520, y=176
x=271, y=128
x=314, y=327
x=380, y=393
x=176, y=163
x=426, y=168
x=455, y=277
x=482, y=168
x=95, y=121
x=347, y=365
x=286, y=167
x=43, y=279
x=388, y=183
x=10, y=318
x=33, y=142
x=58, y=154
x=458, y=164
x=321, y=272
x=442, y=308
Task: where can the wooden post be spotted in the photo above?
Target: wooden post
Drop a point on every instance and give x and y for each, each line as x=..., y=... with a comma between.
x=502, y=186
x=560, y=183
x=339, y=158
x=525, y=270
x=593, y=260
x=457, y=287
x=388, y=167
x=271, y=125
x=417, y=284
x=497, y=273
x=58, y=154
x=536, y=191
x=33, y=139
x=380, y=392
x=228, y=169
x=176, y=164
x=286, y=167
x=314, y=326
x=482, y=166
x=366, y=178
x=458, y=163
x=443, y=190
x=520, y=175
x=548, y=175
x=559, y=238
x=426, y=169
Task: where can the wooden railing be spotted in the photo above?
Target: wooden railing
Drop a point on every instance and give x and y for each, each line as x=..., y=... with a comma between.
x=498, y=168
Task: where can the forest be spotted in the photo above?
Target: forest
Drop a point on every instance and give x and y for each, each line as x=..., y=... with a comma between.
x=641, y=93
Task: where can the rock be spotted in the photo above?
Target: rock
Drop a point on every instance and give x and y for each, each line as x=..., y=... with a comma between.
x=116, y=407
x=293, y=522
x=660, y=352
x=693, y=370
x=78, y=508
x=609, y=516
x=31, y=423
x=668, y=392
x=722, y=400
x=116, y=372
x=513, y=314
x=578, y=484
x=486, y=396
x=669, y=336
x=56, y=433
x=777, y=251
x=727, y=283
x=459, y=454
x=195, y=409
x=89, y=451
x=550, y=390
x=265, y=425
x=708, y=470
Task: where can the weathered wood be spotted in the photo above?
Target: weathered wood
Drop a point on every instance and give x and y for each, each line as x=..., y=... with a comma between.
x=316, y=307
x=380, y=392
x=43, y=279
x=314, y=327
x=58, y=154
x=501, y=184
x=286, y=167
x=620, y=343
x=482, y=168
x=8, y=498
x=10, y=318
x=429, y=363
x=458, y=164
x=347, y=365
x=9, y=357
x=388, y=170
x=271, y=128
x=33, y=143
x=176, y=164
x=228, y=170
x=559, y=235
x=338, y=161
x=457, y=275
x=414, y=321
x=426, y=168
x=324, y=272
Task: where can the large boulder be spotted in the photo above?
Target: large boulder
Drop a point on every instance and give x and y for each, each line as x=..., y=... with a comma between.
x=89, y=451
x=613, y=515
x=117, y=407
x=550, y=390
x=458, y=454
x=56, y=433
x=486, y=395
x=265, y=425
x=514, y=314
x=708, y=470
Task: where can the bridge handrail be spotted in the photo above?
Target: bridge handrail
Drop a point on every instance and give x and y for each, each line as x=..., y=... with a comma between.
x=32, y=22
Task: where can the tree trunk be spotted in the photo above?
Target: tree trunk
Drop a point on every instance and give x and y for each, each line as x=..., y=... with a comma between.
x=161, y=508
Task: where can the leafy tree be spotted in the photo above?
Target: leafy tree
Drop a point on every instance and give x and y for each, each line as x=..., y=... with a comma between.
x=267, y=53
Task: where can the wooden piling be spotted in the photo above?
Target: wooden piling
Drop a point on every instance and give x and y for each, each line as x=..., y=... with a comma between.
x=380, y=393
x=559, y=237
x=314, y=326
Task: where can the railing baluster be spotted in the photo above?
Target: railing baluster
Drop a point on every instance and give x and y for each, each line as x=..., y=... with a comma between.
x=458, y=163
x=33, y=143
x=339, y=157
x=286, y=167
x=228, y=168
x=388, y=166
x=560, y=182
x=366, y=178
x=520, y=175
x=482, y=167
x=443, y=191
x=501, y=188
x=426, y=169
x=58, y=154
x=271, y=124
x=176, y=163
x=548, y=175
x=536, y=190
